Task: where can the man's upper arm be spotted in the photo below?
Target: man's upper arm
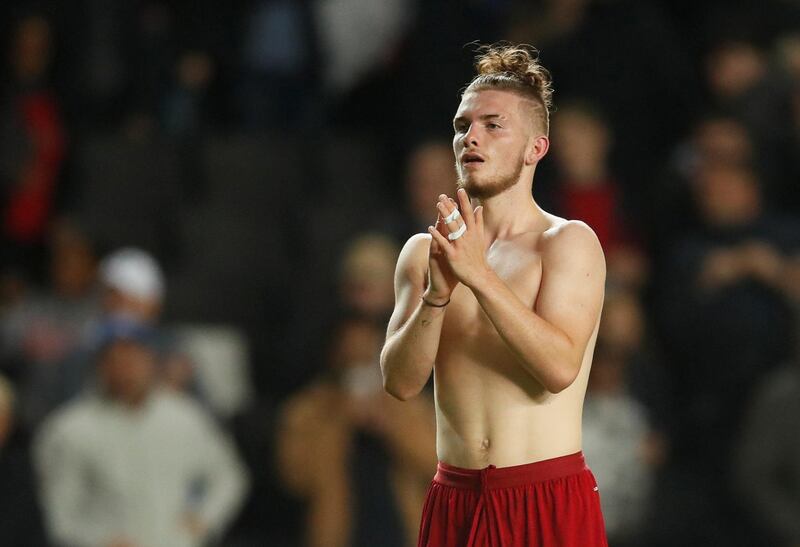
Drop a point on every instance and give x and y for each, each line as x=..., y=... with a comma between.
x=573, y=283
x=409, y=280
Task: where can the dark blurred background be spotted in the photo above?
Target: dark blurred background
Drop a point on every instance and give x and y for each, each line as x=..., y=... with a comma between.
x=206, y=200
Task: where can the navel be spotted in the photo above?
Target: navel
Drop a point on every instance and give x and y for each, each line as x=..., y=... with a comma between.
x=485, y=443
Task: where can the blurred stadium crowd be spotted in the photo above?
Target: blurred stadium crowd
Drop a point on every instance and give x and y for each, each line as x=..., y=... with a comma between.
x=202, y=204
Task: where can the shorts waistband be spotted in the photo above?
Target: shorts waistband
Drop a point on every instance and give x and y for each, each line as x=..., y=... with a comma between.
x=505, y=477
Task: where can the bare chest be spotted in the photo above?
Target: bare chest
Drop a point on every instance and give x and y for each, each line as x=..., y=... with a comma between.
x=467, y=330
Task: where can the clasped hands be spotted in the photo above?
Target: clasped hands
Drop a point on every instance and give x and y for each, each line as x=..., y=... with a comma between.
x=462, y=259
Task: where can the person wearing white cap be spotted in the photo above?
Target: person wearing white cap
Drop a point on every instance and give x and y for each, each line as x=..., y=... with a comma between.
x=135, y=285
x=134, y=290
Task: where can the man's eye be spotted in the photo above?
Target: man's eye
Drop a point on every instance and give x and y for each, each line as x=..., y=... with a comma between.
x=492, y=126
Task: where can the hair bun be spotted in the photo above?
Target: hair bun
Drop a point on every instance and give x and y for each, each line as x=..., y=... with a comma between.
x=519, y=62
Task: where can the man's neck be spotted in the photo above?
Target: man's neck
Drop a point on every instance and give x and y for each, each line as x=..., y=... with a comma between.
x=511, y=213
x=131, y=402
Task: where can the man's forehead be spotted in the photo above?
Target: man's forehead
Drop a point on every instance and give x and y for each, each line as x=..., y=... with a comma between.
x=488, y=101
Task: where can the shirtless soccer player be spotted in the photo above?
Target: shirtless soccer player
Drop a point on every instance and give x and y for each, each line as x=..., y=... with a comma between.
x=502, y=303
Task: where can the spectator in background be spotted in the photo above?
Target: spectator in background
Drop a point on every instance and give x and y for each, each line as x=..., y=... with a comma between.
x=734, y=68
x=130, y=464
x=644, y=62
x=625, y=333
x=277, y=84
x=133, y=289
x=615, y=436
x=43, y=330
x=135, y=286
x=720, y=139
x=360, y=285
x=742, y=82
x=623, y=429
x=20, y=518
x=360, y=459
x=587, y=189
x=32, y=144
x=717, y=138
x=725, y=312
x=168, y=62
x=768, y=470
x=185, y=108
x=367, y=277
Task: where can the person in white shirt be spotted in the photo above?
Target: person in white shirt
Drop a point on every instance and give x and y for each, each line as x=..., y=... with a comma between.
x=130, y=465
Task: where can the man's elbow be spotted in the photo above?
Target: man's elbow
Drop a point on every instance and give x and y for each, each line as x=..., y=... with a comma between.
x=561, y=379
x=556, y=386
x=392, y=383
x=398, y=390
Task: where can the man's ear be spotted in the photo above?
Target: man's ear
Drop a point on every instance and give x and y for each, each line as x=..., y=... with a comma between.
x=537, y=148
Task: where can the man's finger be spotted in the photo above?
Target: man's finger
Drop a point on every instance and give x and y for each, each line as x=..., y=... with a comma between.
x=434, y=247
x=440, y=225
x=444, y=245
x=466, y=207
x=447, y=213
x=447, y=204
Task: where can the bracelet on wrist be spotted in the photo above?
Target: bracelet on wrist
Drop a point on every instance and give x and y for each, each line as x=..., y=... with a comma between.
x=431, y=304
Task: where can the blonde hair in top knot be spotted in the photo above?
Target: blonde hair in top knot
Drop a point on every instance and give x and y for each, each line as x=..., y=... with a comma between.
x=514, y=68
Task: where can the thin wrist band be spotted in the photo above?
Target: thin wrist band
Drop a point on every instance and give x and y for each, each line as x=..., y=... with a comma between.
x=431, y=304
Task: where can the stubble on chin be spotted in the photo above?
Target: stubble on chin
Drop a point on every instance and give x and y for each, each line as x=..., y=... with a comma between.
x=485, y=189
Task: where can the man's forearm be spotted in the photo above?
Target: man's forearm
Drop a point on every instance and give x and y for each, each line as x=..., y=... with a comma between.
x=409, y=354
x=543, y=350
x=227, y=480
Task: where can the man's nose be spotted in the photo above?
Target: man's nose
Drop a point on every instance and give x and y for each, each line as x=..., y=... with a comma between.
x=470, y=137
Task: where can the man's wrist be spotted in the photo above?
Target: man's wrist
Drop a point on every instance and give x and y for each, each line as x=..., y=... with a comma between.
x=481, y=281
x=435, y=301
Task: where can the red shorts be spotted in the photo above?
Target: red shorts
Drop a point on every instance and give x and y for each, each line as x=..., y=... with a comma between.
x=552, y=503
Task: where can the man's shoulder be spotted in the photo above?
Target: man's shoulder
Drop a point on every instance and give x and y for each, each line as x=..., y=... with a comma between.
x=171, y=406
x=569, y=236
x=74, y=420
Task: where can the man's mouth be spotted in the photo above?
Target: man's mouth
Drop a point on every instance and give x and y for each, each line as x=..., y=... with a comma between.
x=471, y=158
